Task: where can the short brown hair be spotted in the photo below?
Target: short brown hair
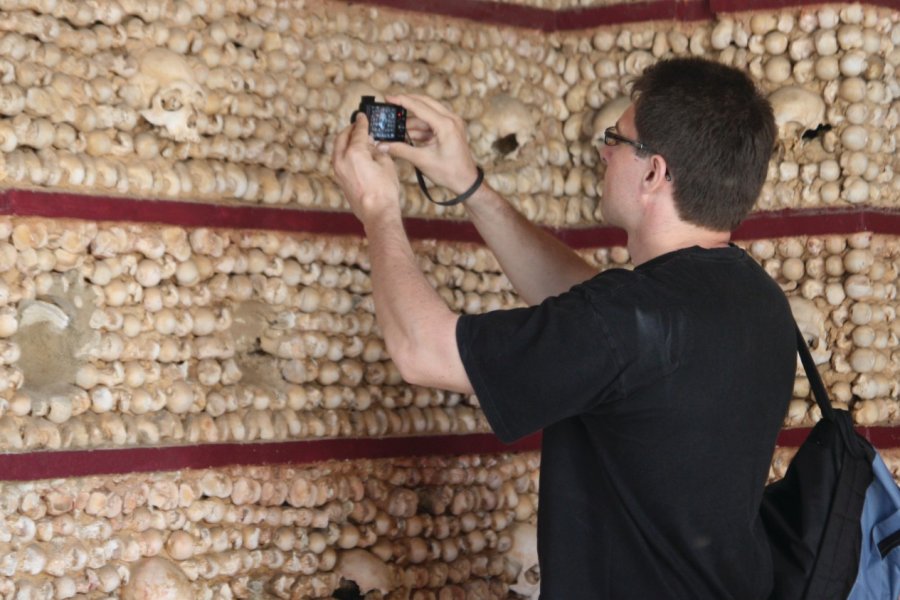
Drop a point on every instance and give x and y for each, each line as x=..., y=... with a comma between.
x=716, y=132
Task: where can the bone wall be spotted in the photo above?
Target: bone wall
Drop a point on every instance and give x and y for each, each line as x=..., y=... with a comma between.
x=125, y=335
x=429, y=528
x=117, y=335
x=843, y=293
x=132, y=335
x=241, y=100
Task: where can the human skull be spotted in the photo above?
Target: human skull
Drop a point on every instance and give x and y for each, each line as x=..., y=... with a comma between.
x=364, y=569
x=174, y=109
x=523, y=554
x=38, y=311
x=811, y=322
x=796, y=107
x=505, y=127
x=156, y=578
x=169, y=88
x=607, y=116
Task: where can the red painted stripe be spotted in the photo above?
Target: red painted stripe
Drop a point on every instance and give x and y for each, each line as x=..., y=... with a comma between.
x=592, y=237
x=81, y=463
x=499, y=13
x=880, y=437
x=434, y=229
x=571, y=19
x=32, y=466
x=187, y=214
x=809, y=222
x=694, y=11
x=26, y=203
x=882, y=221
x=548, y=20
x=792, y=438
x=725, y=6
x=632, y=12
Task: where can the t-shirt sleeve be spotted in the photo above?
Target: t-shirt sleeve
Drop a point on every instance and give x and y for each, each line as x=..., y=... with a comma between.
x=531, y=367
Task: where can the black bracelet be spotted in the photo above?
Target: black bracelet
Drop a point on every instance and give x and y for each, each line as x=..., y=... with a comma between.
x=461, y=198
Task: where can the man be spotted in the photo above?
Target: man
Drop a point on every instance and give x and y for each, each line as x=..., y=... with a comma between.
x=660, y=391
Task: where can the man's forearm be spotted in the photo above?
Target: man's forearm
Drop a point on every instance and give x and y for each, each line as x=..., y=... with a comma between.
x=537, y=264
x=419, y=328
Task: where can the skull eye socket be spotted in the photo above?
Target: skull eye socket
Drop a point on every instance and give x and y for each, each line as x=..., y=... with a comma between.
x=811, y=134
x=171, y=103
x=348, y=590
x=506, y=145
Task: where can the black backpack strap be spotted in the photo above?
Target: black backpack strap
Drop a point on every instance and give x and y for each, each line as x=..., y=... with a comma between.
x=812, y=374
x=842, y=421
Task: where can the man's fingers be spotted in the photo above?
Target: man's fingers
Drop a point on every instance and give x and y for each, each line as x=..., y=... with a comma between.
x=340, y=145
x=398, y=150
x=443, y=122
x=417, y=124
x=359, y=134
x=421, y=138
x=423, y=108
x=384, y=160
x=433, y=104
x=342, y=140
x=419, y=131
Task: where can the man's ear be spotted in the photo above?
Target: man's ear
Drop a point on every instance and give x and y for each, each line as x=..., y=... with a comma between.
x=657, y=173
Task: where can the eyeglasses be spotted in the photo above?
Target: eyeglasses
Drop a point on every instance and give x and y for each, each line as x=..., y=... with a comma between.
x=611, y=138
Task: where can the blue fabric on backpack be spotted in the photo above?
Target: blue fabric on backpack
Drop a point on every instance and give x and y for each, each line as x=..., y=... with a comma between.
x=879, y=567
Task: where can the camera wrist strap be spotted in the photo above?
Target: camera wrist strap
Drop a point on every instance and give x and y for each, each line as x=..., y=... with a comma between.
x=453, y=201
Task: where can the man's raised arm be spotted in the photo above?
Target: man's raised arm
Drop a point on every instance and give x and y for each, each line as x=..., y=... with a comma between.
x=419, y=329
x=537, y=263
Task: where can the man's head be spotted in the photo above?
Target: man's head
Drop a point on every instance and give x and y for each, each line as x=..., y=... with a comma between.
x=715, y=131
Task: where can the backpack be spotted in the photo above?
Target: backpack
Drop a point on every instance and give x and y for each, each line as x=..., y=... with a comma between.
x=833, y=521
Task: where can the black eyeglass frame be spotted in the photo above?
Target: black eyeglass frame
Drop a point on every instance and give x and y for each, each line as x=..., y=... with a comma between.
x=611, y=137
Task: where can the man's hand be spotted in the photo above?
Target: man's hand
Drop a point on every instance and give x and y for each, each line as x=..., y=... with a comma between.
x=367, y=177
x=442, y=151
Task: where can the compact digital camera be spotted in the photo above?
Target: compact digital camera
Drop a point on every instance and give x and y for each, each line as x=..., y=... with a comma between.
x=387, y=122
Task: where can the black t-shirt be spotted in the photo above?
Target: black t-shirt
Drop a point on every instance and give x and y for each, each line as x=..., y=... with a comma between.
x=661, y=392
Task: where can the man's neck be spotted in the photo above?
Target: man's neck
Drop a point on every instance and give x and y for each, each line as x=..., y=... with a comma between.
x=647, y=245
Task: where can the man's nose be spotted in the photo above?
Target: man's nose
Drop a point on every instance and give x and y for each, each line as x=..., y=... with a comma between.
x=604, y=151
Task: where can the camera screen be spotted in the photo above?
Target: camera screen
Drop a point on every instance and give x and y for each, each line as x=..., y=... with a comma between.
x=387, y=122
x=383, y=120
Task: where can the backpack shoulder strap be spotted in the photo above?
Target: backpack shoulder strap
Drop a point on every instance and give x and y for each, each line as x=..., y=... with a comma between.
x=841, y=419
x=812, y=374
